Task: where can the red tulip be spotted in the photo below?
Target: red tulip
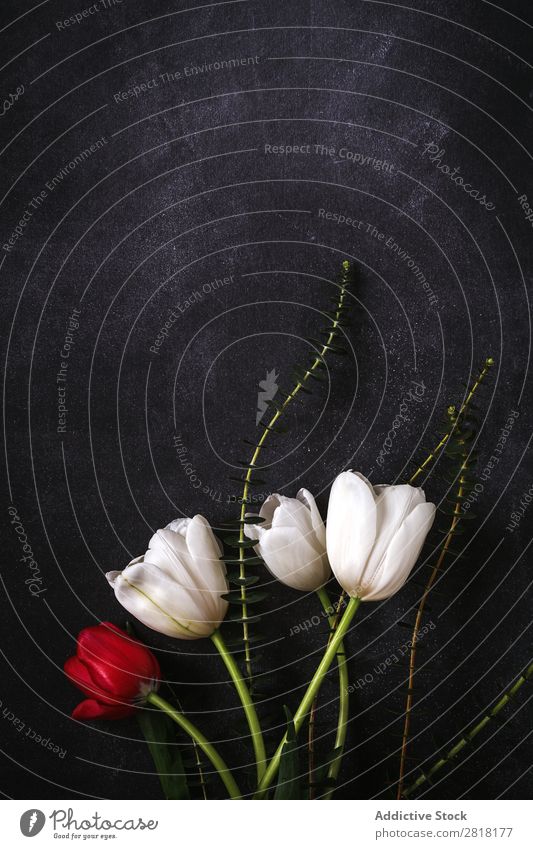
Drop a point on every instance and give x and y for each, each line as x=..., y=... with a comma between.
x=115, y=670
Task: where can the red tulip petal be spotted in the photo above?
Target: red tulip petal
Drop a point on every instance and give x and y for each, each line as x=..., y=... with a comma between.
x=78, y=673
x=146, y=663
x=91, y=709
x=118, y=648
x=80, y=676
x=117, y=663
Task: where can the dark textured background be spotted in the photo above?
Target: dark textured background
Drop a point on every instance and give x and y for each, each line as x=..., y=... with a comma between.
x=182, y=193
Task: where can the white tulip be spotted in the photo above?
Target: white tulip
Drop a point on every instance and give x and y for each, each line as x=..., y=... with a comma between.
x=176, y=588
x=375, y=534
x=292, y=541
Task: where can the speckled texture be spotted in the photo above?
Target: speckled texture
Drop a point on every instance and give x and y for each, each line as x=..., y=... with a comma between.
x=185, y=190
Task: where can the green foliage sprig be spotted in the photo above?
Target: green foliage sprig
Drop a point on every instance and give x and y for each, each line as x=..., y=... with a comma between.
x=240, y=562
x=456, y=442
x=467, y=739
x=464, y=410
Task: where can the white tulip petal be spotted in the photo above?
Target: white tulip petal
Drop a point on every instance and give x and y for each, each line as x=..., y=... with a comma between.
x=254, y=532
x=160, y=603
x=136, y=560
x=179, y=526
x=291, y=513
x=268, y=508
x=292, y=560
x=168, y=551
x=210, y=571
x=166, y=592
x=295, y=516
x=350, y=528
x=318, y=524
x=112, y=577
x=192, y=561
x=201, y=541
x=402, y=554
x=176, y=587
x=393, y=505
x=413, y=494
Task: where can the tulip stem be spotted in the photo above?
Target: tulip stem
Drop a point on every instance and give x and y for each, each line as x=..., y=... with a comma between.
x=204, y=744
x=246, y=701
x=312, y=690
x=342, y=722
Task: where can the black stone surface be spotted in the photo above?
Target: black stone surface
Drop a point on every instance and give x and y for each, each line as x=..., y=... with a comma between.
x=180, y=186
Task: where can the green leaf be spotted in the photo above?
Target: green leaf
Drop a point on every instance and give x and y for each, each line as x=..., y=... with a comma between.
x=281, y=429
x=236, y=542
x=158, y=731
x=237, y=617
x=253, y=597
x=235, y=643
x=288, y=786
x=302, y=375
x=250, y=580
x=252, y=482
x=252, y=519
x=322, y=783
x=236, y=561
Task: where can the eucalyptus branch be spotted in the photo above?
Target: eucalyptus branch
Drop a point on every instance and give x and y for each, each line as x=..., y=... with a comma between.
x=434, y=453
x=318, y=361
x=466, y=739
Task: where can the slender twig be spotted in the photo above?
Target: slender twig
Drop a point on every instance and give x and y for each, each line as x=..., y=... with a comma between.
x=456, y=517
x=460, y=415
x=467, y=738
x=455, y=422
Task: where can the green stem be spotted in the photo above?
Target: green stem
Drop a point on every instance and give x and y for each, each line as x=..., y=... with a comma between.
x=204, y=744
x=246, y=701
x=467, y=738
x=342, y=722
x=311, y=691
x=334, y=327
